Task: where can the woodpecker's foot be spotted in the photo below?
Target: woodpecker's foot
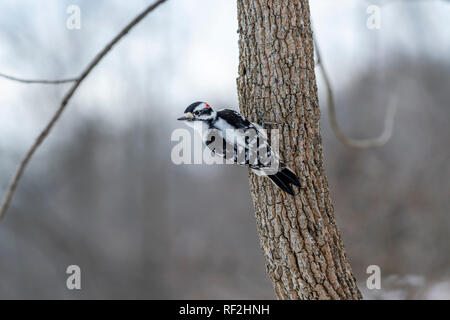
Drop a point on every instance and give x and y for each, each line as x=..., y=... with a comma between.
x=263, y=123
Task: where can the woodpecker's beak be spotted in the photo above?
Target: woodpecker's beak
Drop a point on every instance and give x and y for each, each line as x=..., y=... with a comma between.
x=188, y=116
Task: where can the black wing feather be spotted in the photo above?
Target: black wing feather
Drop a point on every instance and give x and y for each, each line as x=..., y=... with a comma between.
x=281, y=183
x=234, y=118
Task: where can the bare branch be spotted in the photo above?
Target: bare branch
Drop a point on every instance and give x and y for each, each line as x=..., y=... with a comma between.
x=69, y=94
x=356, y=143
x=28, y=81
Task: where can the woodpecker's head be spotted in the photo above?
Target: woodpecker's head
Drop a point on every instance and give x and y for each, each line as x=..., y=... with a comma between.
x=198, y=111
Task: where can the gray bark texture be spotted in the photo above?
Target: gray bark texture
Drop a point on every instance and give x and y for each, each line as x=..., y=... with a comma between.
x=305, y=256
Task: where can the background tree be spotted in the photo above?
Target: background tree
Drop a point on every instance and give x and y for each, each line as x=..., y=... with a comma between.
x=300, y=239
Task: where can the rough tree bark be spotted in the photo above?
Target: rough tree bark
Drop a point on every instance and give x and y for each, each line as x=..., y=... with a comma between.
x=304, y=253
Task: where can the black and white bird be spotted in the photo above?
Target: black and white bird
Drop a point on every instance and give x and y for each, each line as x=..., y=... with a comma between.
x=230, y=135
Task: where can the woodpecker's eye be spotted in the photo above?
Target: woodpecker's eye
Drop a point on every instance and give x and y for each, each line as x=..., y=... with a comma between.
x=196, y=113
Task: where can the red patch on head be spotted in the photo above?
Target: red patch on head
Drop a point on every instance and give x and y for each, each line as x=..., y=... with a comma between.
x=208, y=106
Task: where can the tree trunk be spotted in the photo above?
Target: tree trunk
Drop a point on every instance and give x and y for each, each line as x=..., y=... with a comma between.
x=302, y=245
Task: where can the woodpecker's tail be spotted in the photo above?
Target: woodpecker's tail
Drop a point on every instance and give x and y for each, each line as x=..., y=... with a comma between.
x=284, y=179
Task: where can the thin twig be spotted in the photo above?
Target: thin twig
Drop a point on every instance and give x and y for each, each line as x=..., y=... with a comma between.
x=356, y=143
x=61, y=81
x=390, y=113
x=69, y=94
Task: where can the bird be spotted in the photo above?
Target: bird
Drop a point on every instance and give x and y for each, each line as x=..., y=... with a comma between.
x=229, y=134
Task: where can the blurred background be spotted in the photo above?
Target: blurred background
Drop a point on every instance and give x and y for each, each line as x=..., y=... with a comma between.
x=102, y=192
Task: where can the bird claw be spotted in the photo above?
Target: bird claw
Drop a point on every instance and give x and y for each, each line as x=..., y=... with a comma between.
x=263, y=123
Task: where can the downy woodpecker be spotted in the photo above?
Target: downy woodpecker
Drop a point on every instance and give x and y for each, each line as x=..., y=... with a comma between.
x=230, y=135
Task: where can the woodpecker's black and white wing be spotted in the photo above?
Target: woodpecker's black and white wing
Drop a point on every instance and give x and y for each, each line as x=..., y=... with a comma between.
x=238, y=140
x=257, y=147
x=233, y=120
